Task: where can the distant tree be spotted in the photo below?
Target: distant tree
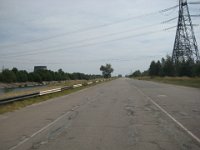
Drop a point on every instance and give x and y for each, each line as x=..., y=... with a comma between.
x=145, y=73
x=31, y=76
x=155, y=68
x=168, y=68
x=22, y=76
x=67, y=77
x=77, y=76
x=15, y=70
x=196, y=69
x=158, y=68
x=37, y=77
x=16, y=75
x=8, y=76
x=152, y=69
x=106, y=70
x=137, y=73
x=61, y=74
x=1, y=77
x=34, y=77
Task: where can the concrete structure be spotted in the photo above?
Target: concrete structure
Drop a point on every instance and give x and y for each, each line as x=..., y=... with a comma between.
x=40, y=68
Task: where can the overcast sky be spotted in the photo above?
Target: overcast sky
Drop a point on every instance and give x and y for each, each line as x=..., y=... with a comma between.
x=82, y=35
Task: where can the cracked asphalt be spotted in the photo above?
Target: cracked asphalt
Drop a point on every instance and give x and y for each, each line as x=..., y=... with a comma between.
x=117, y=115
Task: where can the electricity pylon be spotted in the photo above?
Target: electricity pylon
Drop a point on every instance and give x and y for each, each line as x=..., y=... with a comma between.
x=185, y=45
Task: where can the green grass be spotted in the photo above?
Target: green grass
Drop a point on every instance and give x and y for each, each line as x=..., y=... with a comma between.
x=20, y=104
x=183, y=81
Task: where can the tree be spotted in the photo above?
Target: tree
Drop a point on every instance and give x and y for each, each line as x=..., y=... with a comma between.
x=106, y=70
x=37, y=77
x=8, y=76
x=16, y=75
x=181, y=68
x=22, y=76
x=196, y=69
x=137, y=73
x=155, y=68
x=15, y=70
x=168, y=67
x=152, y=68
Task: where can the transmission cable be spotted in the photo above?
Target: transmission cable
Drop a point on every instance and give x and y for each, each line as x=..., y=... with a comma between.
x=101, y=36
x=88, y=28
x=92, y=44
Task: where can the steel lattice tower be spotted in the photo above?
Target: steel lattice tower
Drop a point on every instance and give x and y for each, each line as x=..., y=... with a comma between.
x=185, y=45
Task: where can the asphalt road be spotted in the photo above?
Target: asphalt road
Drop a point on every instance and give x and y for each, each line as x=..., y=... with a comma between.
x=123, y=114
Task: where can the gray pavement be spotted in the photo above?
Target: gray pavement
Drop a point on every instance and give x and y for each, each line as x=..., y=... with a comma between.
x=123, y=114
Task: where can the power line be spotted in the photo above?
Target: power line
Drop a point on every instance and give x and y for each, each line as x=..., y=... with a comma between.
x=194, y=3
x=82, y=61
x=93, y=38
x=87, y=39
x=92, y=44
x=170, y=28
x=170, y=8
x=102, y=36
x=89, y=28
x=195, y=15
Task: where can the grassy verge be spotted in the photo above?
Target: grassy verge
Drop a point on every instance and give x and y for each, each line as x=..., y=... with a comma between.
x=183, y=81
x=20, y=104
x=43, y=88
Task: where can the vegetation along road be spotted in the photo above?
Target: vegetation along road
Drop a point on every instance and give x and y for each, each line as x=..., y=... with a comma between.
x=122, y=114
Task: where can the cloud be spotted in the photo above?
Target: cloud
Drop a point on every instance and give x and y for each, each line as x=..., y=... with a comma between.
x=82, y=35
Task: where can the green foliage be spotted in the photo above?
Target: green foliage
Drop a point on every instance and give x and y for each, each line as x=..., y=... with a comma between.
x=166, y=67
x=22, y=76
x=196, y=69
x=155, y=68
x=16, y=75
x=137, y=73
x=8, y=76
x=106, y=70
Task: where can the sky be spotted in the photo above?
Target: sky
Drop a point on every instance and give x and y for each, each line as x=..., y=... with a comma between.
x=82, y=35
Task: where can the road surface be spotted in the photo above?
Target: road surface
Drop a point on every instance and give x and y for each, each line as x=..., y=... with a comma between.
x=122, y=114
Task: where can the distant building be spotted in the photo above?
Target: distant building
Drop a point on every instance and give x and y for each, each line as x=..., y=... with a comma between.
x=40, y=68
x=120, y=76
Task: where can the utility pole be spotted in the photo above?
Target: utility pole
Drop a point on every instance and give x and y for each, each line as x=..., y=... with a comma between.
x=185, y=45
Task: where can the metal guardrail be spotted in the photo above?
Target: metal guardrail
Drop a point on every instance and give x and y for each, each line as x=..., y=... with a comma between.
x=77, y=85
x=18, y=98
x=23, y=97
x=66, y=88
x=49, y=91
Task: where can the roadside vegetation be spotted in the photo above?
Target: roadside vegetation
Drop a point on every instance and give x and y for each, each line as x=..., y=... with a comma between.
x=56, y=79
x=185, y=72
x=29, y=101
x=183, y=81
x=15, y=75
x=20, y=104
x=50, y=85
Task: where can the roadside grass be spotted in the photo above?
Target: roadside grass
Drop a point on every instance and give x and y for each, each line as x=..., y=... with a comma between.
x=183, y=81
x=43, y=88
x=29, y=101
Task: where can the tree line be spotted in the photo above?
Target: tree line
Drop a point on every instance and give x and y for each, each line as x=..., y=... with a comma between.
x=166, y=67
x=15, y=75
